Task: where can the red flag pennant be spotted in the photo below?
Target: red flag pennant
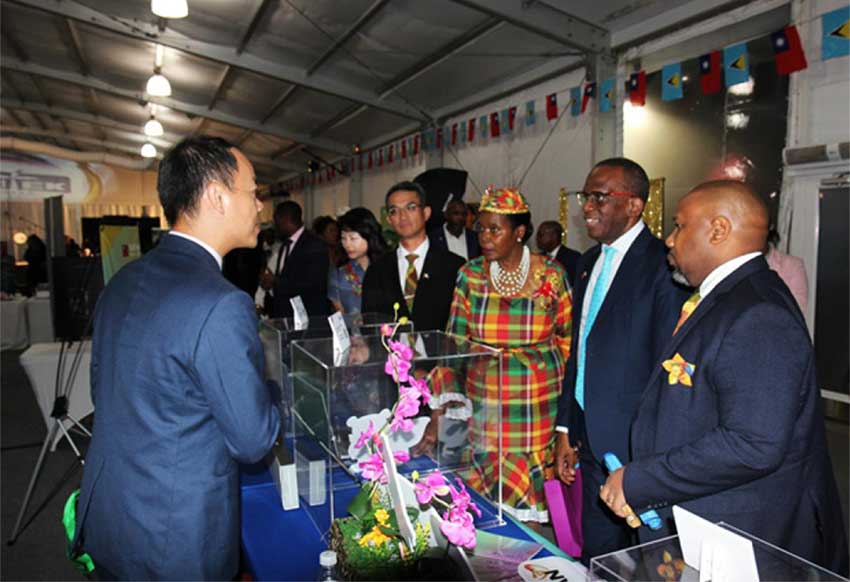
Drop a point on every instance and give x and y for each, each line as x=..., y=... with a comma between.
x=404, y=148
x=710, y=73
x=439, y=137
x=511, y=117
x=788, y=51
x=380, y=157
x=494, y=124
x=390, y=154
x=454, y=134
x=415, y=145
x=636, y=88
x=471, y=133
x=370, y=160
x=552, y=106
x=589, y=93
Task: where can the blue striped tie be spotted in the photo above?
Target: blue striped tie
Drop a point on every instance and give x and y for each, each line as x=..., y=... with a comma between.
x=596, y=299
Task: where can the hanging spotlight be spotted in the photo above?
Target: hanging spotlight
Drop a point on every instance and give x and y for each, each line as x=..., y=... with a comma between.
x=170, y=8
x=158, y=85
x=153, y=128
x=148, y=151
x=19, y=238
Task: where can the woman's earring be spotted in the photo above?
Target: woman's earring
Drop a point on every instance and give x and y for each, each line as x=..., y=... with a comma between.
x=519, y=240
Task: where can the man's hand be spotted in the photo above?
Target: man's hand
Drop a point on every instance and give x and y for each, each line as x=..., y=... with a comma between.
x=429, y=437
x=267, y=279
x=613, y=496
x=566, y=458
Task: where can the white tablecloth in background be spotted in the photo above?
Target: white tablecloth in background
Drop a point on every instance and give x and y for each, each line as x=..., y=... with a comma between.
x=40, y=363
x=13, y=325
x=39, y=320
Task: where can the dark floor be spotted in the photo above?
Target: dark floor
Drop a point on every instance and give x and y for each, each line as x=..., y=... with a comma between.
x=38, y=553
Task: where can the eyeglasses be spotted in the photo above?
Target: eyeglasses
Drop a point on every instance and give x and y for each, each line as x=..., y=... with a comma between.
x=494, y=231
x=409, y=207
x=600, y=198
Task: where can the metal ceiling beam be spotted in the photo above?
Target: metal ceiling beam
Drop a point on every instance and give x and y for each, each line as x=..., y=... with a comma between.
x=53, y=133
x=546, y=21
x=223, y=54
x=71, y=30
x=9, y=36
x=252, y=27
x=188, y=108
x=277, y=105
x=352, y=30
x=338, y=119
x=220, y=87
x=438, y=56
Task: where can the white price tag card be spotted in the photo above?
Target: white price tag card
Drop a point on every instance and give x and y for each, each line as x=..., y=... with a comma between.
x=341, y=339
x=705, y=545
x=299, y=313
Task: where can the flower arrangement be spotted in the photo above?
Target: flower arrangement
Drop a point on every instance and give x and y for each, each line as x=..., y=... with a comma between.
x=372, y=537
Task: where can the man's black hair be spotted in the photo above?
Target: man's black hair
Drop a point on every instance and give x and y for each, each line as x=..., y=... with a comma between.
x=186, y=170
x=636, y=180
x=554, y=225
x=407, y=186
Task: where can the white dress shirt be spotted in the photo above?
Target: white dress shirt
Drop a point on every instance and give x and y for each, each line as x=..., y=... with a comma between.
x=722, y=271
x=271, y=263
x=401, y=258
x=456, y=244
x=201, y=244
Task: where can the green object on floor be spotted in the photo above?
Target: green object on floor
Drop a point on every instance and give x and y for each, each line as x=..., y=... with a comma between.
x=82, y=562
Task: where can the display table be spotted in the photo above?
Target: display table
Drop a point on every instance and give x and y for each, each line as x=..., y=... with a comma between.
x=285, y=545
x=39, y=320
x=13, y=319
x=40, y=361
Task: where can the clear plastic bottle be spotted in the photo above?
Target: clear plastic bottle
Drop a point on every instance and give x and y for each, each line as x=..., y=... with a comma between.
x=327, y=562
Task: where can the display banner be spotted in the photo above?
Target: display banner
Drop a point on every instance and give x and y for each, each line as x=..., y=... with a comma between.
x=119, y=246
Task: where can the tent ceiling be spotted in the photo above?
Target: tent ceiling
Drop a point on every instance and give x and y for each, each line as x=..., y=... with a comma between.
x=290, y=81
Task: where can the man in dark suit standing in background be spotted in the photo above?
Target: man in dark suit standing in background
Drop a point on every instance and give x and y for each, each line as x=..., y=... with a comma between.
x=177, y=382
x=453, y=236
x=731, y=424
x=549, y=235
x=301, y=265
x=418, y=276
x=626, y=306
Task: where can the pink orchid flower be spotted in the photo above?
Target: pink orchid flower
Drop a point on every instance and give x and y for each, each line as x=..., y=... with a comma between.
x=366, y=435
x=401, y=456
x=432, y=485
x=421, y=386
x=459, y=529
x=404, y=351
x=461, y=500
x=397, y=367
x=386, y=329
x=373, y=468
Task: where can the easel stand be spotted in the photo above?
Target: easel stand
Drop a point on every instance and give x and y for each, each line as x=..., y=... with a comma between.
x=59, y=415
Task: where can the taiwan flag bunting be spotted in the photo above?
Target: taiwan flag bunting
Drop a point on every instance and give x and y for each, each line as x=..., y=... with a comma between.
x=788, y=51
x=494, y=125
x=471, y=132
x=454, y=134
x=736, y=64
x=504, y=121
x=370, y=161
x=835, y=41
x=511, y=118
x=482, y=126
x=575, y=101
x=439, y=132
x=710, y=73
x=589, y=93
x=637, y=88
x=390, y=154
x=606, y=95
x=671, y=82
x=552, y=106
x=530, y=114
x=415, y=145
x=404, y=148
x=380, y=157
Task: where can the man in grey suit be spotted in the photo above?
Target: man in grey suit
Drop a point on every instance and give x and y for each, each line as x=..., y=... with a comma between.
x=177, y=382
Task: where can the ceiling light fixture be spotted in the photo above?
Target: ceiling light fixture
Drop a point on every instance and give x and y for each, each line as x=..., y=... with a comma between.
x=148, y=151
x=153, y=128
x=158, y=85
x=20, y=238
x=170, y=8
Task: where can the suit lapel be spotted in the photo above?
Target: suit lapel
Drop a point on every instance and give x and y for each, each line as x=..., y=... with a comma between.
x=630, y=270
x=587, y=264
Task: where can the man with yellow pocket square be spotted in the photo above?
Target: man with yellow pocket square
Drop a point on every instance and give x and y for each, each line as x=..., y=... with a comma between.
x=730, y=425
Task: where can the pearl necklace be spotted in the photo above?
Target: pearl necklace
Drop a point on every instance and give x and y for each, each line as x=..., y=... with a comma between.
x=510, y=282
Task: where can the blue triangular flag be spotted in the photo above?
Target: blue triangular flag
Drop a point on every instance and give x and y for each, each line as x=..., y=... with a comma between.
x=836, y=33
x=575, y=101
x=606, y=95
x=530, y=113
x=505, y=121
x=482, y=126
x=671, y=82
x=736, y=64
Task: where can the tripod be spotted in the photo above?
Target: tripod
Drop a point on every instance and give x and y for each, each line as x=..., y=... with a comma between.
x=58, y=416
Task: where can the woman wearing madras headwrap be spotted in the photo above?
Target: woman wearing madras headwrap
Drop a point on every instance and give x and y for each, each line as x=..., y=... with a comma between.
x=520, y=303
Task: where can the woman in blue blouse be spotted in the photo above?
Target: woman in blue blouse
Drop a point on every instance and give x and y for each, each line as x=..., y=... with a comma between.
x=362, y=242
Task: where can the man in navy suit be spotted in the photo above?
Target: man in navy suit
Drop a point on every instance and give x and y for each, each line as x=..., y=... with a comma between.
x=626, y=306
x=177, y=383
x=453, y=236
x=549, y=235
x=730, y=425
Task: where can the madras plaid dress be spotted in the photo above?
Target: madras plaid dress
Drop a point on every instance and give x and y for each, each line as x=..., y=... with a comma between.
x=533, y=330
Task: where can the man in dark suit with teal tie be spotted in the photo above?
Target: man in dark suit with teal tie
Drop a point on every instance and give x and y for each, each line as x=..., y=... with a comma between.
x=731, y=425
x=624, y=308
x=177, y=384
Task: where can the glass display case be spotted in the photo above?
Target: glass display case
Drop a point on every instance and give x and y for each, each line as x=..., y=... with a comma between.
x=336, y=397
x=662, y=560
x=277, y=336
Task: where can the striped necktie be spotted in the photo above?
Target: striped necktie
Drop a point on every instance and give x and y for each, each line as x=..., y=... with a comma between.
x=687, y=308
x=410, y=281
x=600, y=288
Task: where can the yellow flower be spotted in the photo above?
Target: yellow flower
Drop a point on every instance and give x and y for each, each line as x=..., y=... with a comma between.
x=415, y=476
x=382, y=516
x=402, y=320
x=376, y=537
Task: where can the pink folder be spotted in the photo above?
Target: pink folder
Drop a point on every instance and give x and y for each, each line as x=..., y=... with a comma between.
x=565, y=511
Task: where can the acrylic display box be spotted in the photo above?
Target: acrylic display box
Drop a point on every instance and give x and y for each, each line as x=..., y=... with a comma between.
x=277, y=336
x=662, y=560
x=334, y=398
